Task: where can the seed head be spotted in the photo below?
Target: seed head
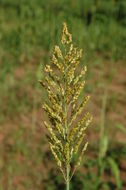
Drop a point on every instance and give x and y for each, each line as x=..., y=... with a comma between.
x=63, y=85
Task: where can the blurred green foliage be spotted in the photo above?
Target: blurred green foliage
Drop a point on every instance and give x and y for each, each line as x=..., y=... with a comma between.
x=30, y=26
x=29, y=29
x=28, y=32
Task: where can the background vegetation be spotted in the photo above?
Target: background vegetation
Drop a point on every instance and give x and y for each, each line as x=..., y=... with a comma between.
x=28, y=32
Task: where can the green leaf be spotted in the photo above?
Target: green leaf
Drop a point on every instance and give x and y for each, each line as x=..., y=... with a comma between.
x=105, y=186
x=121, y=128
x=115, y=171
x=104, y=146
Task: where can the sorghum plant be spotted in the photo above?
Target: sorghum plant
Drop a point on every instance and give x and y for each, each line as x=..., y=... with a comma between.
x=63, y=86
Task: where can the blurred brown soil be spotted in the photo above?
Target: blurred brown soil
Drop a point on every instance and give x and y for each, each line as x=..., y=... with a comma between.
x=34, y=132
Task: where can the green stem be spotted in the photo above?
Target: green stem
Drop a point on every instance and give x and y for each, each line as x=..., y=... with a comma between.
x=68, y=178
x=102, y=134
x=66, y=136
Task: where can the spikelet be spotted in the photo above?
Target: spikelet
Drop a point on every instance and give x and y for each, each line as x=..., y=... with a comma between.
x=76, y=91
x=63, y=86
x=51, y=113
x=66, y=36
x=58, y=52
x=79, y=159
x=75, y=129
x=52, y=147
x=78, y=143
x=81, y=155
x=52, y=134
x=57, y=64
x=80, y=76
x=48, y=69
x=78, y=110
x=52, y=75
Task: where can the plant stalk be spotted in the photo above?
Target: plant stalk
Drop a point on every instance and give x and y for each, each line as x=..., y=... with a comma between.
x=68, y=178
x=66, y=136
x=102, y=133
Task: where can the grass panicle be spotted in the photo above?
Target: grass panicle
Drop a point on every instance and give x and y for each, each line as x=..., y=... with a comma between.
x=63, y=86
